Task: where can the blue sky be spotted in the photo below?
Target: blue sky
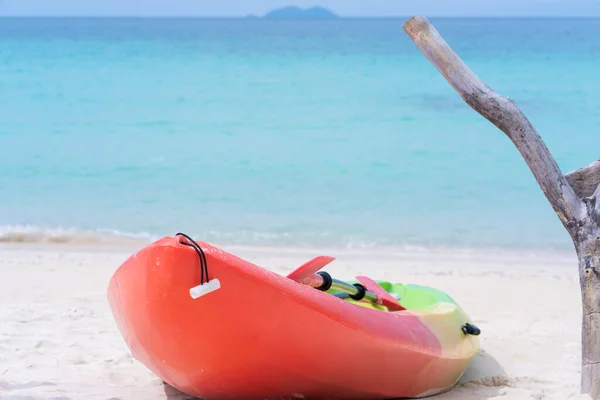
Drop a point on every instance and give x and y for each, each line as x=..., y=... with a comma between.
x=343, y=7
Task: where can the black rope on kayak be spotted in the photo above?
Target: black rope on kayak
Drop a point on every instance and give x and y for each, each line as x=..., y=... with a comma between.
x=201, y=257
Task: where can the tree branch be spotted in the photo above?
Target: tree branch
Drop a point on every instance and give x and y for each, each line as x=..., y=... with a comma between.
x=584, y=181
x=503, y=113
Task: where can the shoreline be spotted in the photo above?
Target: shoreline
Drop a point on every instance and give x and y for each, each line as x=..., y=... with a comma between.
x=22, y=234
x=290, y=249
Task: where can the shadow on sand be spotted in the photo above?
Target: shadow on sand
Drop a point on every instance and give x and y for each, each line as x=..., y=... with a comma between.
x=483, y=379
x=173, y=394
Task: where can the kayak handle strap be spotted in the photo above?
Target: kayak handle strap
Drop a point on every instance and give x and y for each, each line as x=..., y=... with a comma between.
x=207, y=285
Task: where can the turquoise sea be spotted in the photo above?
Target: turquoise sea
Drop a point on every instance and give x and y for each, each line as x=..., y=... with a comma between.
x=332, y=133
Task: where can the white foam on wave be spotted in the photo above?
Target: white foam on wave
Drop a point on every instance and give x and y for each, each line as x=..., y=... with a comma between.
x=280, y=241
x=58, y=235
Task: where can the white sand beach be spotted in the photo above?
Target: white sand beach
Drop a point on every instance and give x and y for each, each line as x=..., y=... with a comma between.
x=58, y=339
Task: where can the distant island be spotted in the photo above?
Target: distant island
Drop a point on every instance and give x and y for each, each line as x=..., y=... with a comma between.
x=294, y=12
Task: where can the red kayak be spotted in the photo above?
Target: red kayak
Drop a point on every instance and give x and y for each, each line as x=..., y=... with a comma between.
x=215, y=326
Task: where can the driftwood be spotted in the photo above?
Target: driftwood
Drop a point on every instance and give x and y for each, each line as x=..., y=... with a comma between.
x=572, y=196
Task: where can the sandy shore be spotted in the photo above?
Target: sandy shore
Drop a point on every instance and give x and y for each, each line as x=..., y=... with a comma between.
x=58, y=339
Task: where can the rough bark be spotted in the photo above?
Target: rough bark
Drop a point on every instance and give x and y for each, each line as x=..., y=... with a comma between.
x=584, y=181
x=589, y=270
x=576, y=206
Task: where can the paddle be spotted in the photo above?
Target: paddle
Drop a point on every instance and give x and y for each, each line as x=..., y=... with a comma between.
x=304, y=273
x=368, y=288
x=383, y=297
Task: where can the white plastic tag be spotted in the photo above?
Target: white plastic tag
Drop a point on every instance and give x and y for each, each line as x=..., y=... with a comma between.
x=205, y=289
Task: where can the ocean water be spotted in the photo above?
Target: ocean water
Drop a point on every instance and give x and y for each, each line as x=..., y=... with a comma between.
x=329, y=133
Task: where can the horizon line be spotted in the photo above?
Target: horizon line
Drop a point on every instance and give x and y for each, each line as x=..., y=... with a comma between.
x=254, y=17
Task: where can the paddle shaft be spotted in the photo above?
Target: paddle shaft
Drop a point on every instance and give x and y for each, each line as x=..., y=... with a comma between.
x=318, y=281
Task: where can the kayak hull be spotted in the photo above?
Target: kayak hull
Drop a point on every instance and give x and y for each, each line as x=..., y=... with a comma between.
x=261, y=335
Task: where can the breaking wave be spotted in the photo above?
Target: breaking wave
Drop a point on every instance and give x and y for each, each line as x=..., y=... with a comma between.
x=36, y=234
x=327, y=241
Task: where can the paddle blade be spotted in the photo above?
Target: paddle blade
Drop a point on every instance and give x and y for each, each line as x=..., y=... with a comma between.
x=309, y=268
x=384, y=298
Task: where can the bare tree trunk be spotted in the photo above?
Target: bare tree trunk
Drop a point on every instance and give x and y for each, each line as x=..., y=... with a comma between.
x=589, y=267
x=573, y=197
x=587, y=245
